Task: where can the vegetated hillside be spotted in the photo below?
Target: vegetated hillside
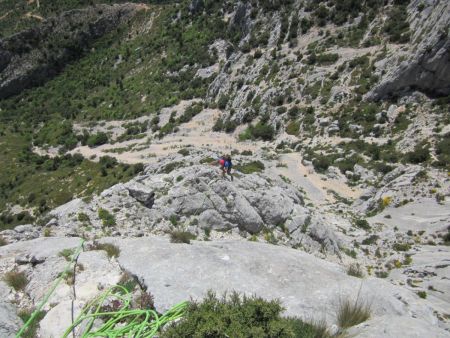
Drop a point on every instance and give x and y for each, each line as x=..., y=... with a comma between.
x=299, y=72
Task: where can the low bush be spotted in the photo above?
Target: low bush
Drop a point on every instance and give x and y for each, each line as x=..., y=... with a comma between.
x=178, y=236
x=96, y=140
x=420, y=154
x=17, y=280
x=111, y=249
x=355, y=270
x=66, y=253
x=321, y=163
x=363, y=224
x=237, y=316
x=293, y=128
x=251, y=167
x=401, y=247
x=352, y=313
x=107, y=218
x=25, y=315
x=372, y=239
x=422, y=294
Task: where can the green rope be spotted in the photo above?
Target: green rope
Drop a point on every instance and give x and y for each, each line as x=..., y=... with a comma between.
x=50, y=292
x=119, y=319
x=121, y=322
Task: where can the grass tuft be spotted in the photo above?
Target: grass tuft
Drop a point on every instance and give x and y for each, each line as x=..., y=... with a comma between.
x=111, y=249
x=181, y=237
x=352, y=313
x=17, y=280
x=355, y=270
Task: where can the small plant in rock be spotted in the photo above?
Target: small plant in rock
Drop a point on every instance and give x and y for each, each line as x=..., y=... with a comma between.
x=351, y=313
x=372, y=239
x=363, y=224
x=107, y=218
x=3, y=241
x=174, y=220
x=25, y=315
x=401, y=247
x=83, y=218
x=47, y=232
x=66, y=253
x=111, y=249
x=355, y=270
x=422, y=294
x=181, y=237
x=17, y=280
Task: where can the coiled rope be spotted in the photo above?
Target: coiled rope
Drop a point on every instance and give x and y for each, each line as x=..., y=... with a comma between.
x=110, y=314
x=123, y=321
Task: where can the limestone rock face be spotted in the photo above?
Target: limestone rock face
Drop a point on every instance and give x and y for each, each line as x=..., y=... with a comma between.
x=303, y=283
x=142, y=194
x=10, y=323
x=428, y=66
x=22, y=66
x=198, y=198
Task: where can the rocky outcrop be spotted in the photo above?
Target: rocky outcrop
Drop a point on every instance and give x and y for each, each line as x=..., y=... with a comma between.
x=33, y=56
x=142, y=194
x=427, y=68
x=198, y=200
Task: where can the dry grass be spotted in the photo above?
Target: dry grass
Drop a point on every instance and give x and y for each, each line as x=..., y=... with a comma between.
x=17, y=280
x=181, y=237
x=111, y=250
x=351, y=313
x=355, y=270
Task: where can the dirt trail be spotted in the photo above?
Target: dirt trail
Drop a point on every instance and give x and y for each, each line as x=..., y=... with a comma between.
x=317, y=189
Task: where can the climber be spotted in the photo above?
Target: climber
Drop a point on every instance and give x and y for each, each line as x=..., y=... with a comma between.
x=227, y=167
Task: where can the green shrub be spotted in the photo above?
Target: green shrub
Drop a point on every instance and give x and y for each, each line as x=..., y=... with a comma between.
x=372, y=239
x=96, y=140
x=326, y=59
x=111, y=249
x=17, y=280
x=67, y=254
x=173, y=219
x=181, y=237
x=168, y=168
x=82, y=217
x=397, y=26
x=251, y=167
x=184, y=152
x=223, y=100
x=237, y=316
x=363, y=224
x=31, y=331
x=321, y=163
x=107, y=218
x=422, y=294
x=262, y=131
x=420, y=154
x=293, y=128
x=401, y=247
x=352, y=313
x=355, y=270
